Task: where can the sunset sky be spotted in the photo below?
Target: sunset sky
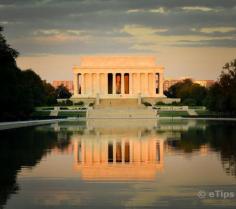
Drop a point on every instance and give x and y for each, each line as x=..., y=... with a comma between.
x=189, y=37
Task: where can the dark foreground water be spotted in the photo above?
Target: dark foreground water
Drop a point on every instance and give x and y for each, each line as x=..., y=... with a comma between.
x=119, y=164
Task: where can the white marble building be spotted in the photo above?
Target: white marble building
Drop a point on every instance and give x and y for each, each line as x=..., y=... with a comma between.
x=118, y=77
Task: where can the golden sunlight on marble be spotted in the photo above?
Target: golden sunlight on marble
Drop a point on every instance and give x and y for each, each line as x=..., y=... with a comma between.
x=118, y=77
x=109, y=155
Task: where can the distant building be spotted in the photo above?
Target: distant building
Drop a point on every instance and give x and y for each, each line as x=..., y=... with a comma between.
x=205, y=83
x=67, y=84
x=170, y=82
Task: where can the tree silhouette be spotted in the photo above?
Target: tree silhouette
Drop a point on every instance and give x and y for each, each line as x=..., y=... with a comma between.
x=20, y=91
x=62, y=92
x=222, y=95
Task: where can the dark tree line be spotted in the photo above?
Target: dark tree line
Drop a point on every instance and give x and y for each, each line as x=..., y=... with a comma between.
x=21, y=91
x=62, y=92
x=189, y=92
x=220, y=97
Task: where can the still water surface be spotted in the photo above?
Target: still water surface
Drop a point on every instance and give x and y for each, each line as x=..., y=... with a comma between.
x=119, y=164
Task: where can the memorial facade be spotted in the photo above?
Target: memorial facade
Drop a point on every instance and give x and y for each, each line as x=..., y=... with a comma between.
x=118, y=77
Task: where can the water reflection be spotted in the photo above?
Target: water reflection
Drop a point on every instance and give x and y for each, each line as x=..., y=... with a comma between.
x=106, y=156
x=116, y=151
x=215, y=136
x=20, y=148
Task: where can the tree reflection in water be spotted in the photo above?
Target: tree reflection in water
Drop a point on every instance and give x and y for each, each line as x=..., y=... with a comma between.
x=24, y=147
x=219, y=136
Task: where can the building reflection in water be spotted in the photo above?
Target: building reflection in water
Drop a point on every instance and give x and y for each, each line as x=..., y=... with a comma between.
x=109, y=155
x=123, y=149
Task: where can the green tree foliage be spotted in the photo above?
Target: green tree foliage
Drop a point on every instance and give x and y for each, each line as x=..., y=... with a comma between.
x=189, y=92
x=50, y=94
x=222, y=95
x=9, y=78
x=62, y=92
x=20, y=91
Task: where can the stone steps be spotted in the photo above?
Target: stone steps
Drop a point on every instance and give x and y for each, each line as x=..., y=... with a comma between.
x=118, y=103
x=54, y=113
x=192, y=112
x=121, y=113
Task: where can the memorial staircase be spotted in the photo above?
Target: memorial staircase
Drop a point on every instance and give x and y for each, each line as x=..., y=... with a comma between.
x=121, y=108
x=118, y=103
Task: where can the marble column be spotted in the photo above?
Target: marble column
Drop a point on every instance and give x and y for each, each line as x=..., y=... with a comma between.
x=154, y=84
x=91, y=83
x=97, y=84
x=130, y=83
x=146, y=84
x=122, y=84
x=106, y=83
x=160, y=83
x=82, y=84
x=139, y=83
x=113, y=83
x=75, y=84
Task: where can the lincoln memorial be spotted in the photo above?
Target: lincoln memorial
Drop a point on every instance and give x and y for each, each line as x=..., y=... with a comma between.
x=109, y=77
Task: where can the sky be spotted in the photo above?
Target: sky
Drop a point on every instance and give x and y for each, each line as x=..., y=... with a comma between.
x=190, y=38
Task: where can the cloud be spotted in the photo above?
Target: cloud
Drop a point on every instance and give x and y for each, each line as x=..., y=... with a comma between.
x=135, y=10
x=169, y=28
x=53, y=37
x=217, y=29
x=90, y=25
x=146, y=38
x=199, y=8
x=47, y=32
x=160, y=10
x=142, y=30
x=4, y=22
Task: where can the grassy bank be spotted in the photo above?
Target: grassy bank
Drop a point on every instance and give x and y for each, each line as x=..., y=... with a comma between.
x=45, y=114
x=174, y=114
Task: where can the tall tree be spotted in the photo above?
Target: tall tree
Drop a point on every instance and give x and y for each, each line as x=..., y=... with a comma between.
x=222, y=95
x=9, y=92
x=62, y=92
x=50, y=94
x=189, y=92
x=20, y=91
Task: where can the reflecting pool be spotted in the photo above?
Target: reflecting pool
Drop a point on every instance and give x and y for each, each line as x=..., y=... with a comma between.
x=119, y=164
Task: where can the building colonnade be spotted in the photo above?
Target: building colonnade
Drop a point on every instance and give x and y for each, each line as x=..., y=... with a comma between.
x=121, y=84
